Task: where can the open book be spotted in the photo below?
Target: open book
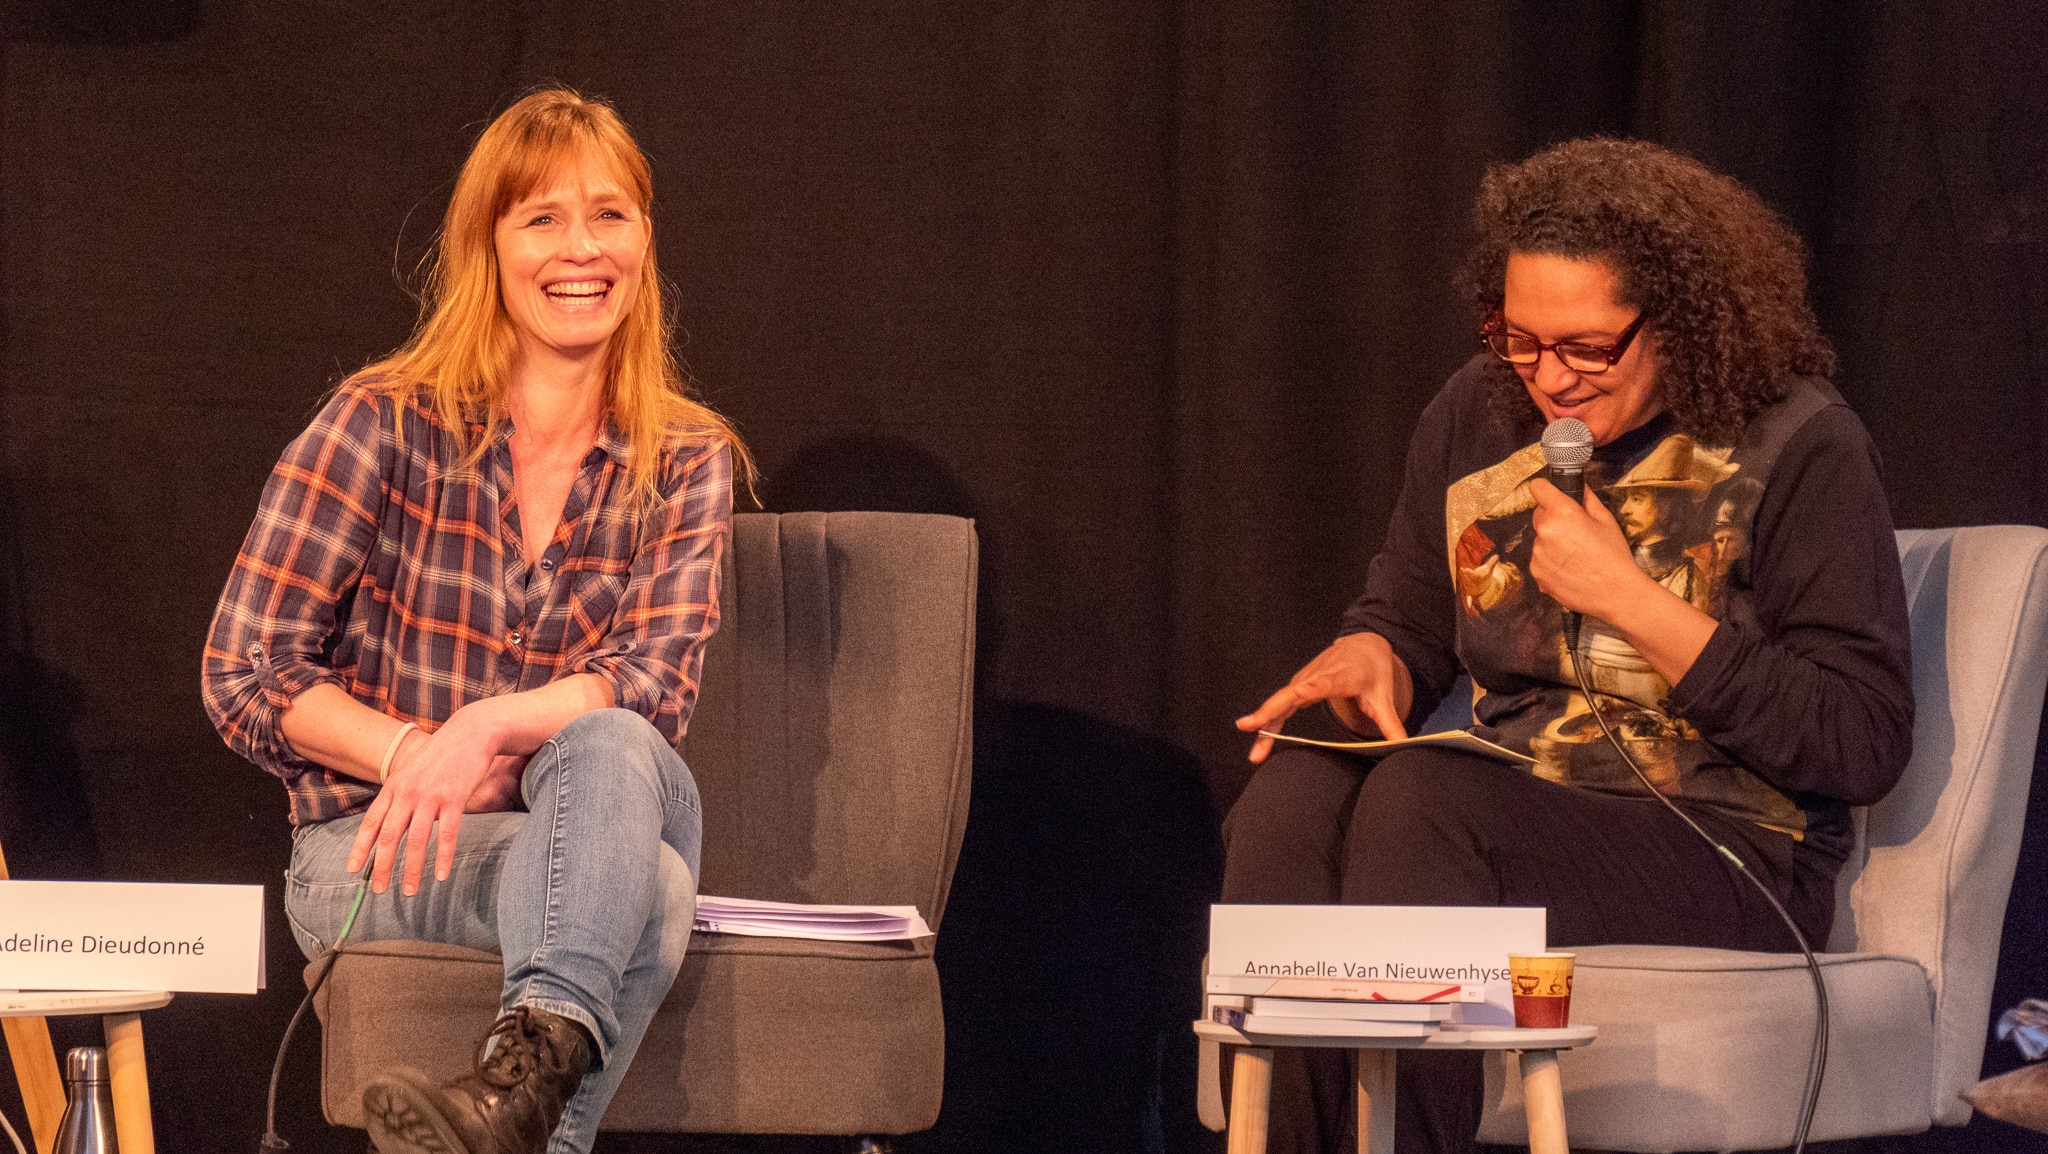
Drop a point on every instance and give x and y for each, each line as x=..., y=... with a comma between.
x=1457, y=739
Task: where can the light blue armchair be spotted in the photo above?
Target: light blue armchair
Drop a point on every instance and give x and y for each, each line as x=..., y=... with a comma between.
x=1707, y=1049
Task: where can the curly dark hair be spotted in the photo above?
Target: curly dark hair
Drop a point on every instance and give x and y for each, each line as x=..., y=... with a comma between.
x=1721, y=276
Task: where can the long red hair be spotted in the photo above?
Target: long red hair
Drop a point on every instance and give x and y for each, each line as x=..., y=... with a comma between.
x=459, y=358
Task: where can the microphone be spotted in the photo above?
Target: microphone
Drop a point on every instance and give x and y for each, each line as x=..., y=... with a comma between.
x=1567, y=446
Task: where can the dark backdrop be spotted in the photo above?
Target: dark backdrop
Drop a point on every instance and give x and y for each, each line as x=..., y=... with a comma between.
x=1154, y=290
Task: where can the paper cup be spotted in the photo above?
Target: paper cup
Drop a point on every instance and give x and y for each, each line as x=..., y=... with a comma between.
x=1543, y=989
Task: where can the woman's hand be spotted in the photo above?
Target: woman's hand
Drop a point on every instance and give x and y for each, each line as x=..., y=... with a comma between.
x=432, y=780
x=1359, y=675
x=1581, y=558
x=499, y=791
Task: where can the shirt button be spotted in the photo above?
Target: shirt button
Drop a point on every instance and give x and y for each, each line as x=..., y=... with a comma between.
x=547, y=564
x=515, y=637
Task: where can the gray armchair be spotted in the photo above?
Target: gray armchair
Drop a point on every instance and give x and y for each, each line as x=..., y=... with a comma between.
x=831, y=745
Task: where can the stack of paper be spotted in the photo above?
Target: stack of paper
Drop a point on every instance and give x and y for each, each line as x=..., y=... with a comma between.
x=823, y=923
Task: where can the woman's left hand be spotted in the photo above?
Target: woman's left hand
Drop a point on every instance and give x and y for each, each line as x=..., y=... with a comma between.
x=1581, y=557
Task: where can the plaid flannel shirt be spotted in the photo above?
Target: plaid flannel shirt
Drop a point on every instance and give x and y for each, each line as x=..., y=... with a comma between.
x=378, y=564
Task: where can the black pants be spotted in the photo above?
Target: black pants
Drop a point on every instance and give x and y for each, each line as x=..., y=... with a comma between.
x=1431, y=827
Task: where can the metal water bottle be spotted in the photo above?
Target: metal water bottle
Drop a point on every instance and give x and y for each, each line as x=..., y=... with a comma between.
x=88, y=1126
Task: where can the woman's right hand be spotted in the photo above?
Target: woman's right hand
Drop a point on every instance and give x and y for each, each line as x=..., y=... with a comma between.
x=499, y=792
x=432, y=778
x=1360, y=676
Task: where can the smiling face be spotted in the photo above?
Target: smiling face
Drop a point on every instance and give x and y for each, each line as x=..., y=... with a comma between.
x=569, y=260
x=1553, y=298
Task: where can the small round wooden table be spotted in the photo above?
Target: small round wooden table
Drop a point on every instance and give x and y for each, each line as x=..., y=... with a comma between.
x=121, y=1012
x=1251, y=1078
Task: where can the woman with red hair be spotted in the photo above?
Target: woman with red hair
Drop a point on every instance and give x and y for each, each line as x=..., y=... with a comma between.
x=466, y=627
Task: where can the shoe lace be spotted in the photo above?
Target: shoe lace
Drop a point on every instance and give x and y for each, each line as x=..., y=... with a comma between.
x=523, y=1046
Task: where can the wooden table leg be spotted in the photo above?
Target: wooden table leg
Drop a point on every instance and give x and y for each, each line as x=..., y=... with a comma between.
x=1375, y=1101
x=35, y=1069
x=1209, y=1086
x=1251, y=1099
x=130, y=1077
x=1543, y=1098
x=42, y=1083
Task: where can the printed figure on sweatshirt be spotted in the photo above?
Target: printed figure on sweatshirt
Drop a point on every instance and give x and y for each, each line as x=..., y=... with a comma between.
x=1685, y=509
x=1734, y=503
x=1661, y=501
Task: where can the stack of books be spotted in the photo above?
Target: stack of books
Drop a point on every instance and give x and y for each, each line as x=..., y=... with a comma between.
x=1334, y=1009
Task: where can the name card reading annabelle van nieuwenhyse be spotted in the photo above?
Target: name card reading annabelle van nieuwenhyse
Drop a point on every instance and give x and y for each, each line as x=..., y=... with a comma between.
x=131, y=936
x=1464, y=950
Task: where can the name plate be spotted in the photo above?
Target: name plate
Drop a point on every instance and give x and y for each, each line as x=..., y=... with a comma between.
x=1329, y=951
x=131, y=936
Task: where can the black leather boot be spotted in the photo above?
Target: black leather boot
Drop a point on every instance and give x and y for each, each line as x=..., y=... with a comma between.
x=508, y=1105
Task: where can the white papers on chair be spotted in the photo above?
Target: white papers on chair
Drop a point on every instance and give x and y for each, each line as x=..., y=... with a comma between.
x=766, y=919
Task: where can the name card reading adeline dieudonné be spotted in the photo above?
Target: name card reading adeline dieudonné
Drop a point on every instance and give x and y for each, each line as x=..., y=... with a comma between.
x=131, y=936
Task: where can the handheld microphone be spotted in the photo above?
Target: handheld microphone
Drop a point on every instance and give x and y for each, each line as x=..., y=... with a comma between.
x=1567, y=446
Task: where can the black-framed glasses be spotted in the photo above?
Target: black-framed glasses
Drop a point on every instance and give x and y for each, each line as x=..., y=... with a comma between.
x=1578, y=356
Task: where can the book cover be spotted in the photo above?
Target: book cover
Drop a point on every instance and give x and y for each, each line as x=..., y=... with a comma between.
x=1353, y=1011
x=1338, y=989
x=1334, y=1027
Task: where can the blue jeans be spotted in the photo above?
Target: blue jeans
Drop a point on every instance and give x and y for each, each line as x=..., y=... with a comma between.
x=589, y=895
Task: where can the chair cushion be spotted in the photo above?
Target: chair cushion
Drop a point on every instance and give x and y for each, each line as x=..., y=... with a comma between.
x=1707, y=1050
x=758, y=1035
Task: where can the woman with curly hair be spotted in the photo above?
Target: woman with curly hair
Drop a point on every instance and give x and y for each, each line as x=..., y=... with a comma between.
x=1744, y=615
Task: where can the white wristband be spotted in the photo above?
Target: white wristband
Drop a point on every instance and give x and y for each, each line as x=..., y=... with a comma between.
x=391, y=751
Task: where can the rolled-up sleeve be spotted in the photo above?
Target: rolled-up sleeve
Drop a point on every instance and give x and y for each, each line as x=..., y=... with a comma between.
x=313, y=529
x=654, y=651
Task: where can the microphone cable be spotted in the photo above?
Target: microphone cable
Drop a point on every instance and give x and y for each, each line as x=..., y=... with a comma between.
x=1817, y=1057
x=272, y=1142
